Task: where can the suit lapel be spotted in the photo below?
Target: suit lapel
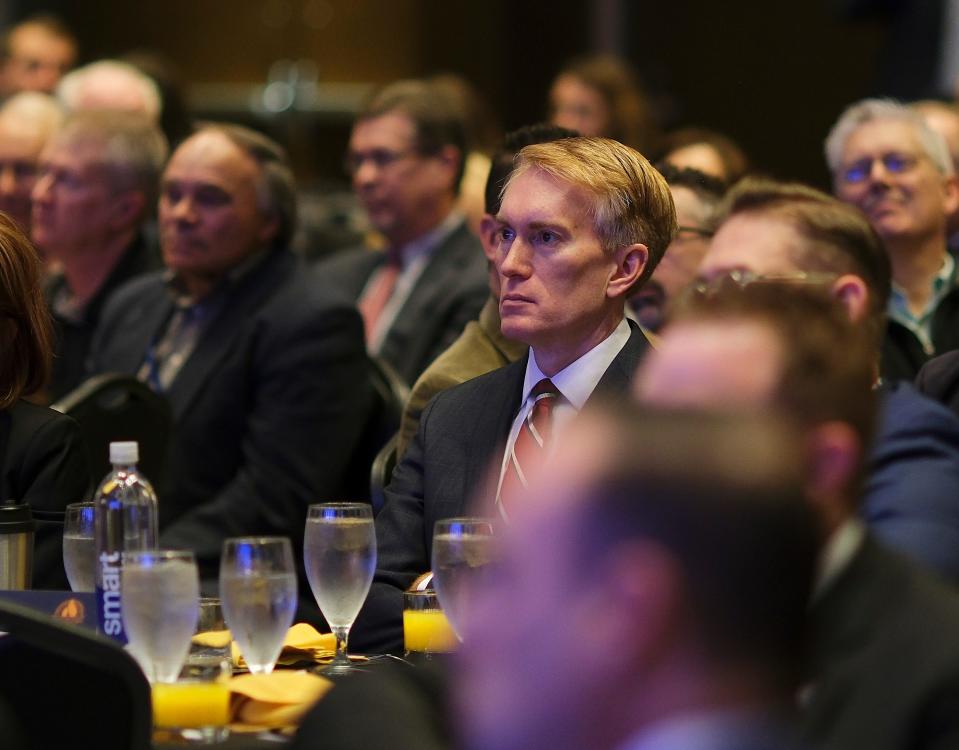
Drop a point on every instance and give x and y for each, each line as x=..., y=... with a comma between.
x=249, y=294
x=620, y=372
x=135, y=336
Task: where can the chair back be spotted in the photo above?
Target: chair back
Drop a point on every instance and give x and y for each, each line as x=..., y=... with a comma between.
x=114, y=407
x=68, y=687
x=381, y=471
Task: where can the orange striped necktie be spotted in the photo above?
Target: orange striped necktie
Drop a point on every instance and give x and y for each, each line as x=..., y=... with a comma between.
x=374, y=302
x=531, y=445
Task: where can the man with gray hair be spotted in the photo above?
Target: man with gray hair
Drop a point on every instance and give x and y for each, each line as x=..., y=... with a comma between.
x=95, y=189
x=888, y=162
x=110, y=84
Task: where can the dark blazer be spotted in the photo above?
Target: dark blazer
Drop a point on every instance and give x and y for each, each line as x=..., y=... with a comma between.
x=461, y=431
x=72, y=338
x=43, y=463
x=449, y=293
x=939, y=380
x=911, y=496
x=267, y=409
x=884, y=667
x=902, y=355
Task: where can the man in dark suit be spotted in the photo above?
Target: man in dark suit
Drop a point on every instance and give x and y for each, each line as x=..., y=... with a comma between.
x=95, y=189
x=264, y=367
x=582, y=222
x=883, y=666
x=681, y=640
x=406, y=159
x=791, y=231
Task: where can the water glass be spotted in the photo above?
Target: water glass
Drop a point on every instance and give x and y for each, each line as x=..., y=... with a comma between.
x=258, y=591
x=462, y=550
x=339, y=551
x=209, y=657
x=79, y=552
x=160, y=591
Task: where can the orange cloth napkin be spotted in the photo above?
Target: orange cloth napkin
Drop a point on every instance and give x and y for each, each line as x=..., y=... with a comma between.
x=302, y=643
x=273, y=701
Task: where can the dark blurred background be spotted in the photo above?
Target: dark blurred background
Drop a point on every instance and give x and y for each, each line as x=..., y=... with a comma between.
x=774, y=76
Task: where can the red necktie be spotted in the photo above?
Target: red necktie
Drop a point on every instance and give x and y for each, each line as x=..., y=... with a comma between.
x=372, y=304
x=531, y=446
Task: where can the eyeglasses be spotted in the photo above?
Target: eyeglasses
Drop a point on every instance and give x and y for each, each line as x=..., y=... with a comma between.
x=742, y=278
x=381, y=158
x=892, y=162
x=697, y=231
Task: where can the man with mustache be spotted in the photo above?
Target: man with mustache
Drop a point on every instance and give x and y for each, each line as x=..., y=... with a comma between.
x=889, y=163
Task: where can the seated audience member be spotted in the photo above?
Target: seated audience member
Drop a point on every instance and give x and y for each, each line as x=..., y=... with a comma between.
x=42, y=458
x=583, y=221
x=481, y=347
x=110, y=85
x=787, y=230
x=888, y=162
x=96, y=187
x=27, y=121
x=601, y=96
x=708, y=151
x=882, y=670
x=696, y=196
x=264, y=368
x=406, y=159
x=35, y=54
x=684, y=637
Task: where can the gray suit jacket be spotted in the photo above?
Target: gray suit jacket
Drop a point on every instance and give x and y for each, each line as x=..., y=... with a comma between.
x=448, y=294
x=461, y=431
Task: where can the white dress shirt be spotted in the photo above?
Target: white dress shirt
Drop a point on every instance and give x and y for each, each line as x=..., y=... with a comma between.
x=576, y=382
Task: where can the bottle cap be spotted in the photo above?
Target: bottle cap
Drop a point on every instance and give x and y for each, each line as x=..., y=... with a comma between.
x=124, y=453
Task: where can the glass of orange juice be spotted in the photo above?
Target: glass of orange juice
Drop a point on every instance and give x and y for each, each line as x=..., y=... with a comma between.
x=426, y=631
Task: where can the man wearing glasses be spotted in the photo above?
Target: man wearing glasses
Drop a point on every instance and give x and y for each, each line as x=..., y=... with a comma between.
x=888, y=162
x=789, y=232
x=406, y=159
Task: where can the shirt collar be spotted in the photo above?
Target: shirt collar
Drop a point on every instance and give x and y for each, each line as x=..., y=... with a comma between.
x=579, y=379
x=426, y=243
x=942, y=282
x=837, y=553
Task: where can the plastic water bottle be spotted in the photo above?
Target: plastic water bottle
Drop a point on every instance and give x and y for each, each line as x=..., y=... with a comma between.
x=126, y=520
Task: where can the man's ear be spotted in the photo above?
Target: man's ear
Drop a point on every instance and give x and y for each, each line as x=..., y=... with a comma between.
x=950, y=192
x=450, y=158
x=834, y=453
x=853, y=293
x=127, y=208
x=488, y=229
x=631, y=261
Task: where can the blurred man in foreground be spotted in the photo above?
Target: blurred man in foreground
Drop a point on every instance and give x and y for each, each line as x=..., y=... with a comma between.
x=790, y=231
x=264, y=368
x=651, y=594
x=94, y=192
x=35, y=54
x=583, y=221
x=883, y=667
x=27, y=121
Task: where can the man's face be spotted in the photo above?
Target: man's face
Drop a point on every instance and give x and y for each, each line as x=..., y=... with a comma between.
x=554, y=272
x=19, y=151
x=73, y=199
x=399, y=187
x=210, y=216
x=712, y=365
x=38, y=59
x=678, y=266
x=886, y=174
x=578, y=107
x=514, y=689
x=763, y=245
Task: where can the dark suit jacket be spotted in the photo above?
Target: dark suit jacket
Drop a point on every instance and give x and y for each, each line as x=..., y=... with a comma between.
x=461, y=431
x=43, y=463
x=74, y=337
x=884, y=666
x=267, y=409
x=911, y=497
x=939, y=380
x=448, y=294
x=902, y=355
